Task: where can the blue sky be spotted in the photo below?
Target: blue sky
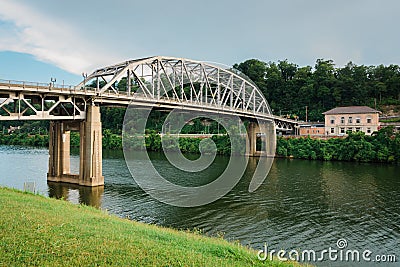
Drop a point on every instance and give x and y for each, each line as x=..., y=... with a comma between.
x=24, y=67
x=43, y=39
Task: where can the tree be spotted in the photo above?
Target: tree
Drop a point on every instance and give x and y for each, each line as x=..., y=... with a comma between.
x=255, y=70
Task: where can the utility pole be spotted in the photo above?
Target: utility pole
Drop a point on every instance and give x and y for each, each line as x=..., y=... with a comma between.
x=306, y=113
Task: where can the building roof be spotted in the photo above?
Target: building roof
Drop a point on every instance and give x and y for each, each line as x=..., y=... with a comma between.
x=351, y=110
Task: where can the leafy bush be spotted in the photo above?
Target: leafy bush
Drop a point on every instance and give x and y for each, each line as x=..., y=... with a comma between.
x=382, y=147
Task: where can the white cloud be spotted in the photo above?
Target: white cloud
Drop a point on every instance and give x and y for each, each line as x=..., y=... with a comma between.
x=48, y=39
x=80, y=36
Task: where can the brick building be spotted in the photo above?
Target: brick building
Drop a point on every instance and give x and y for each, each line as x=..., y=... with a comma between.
x=316, y=130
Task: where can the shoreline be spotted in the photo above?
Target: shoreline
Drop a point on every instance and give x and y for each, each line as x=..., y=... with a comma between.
x=356, y=147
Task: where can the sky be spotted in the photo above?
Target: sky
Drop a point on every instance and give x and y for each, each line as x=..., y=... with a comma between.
x=45, y=39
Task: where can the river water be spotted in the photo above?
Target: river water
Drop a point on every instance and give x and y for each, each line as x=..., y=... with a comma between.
x=302, y=205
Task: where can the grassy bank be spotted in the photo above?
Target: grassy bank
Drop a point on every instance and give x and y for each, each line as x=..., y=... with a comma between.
x=39, y=231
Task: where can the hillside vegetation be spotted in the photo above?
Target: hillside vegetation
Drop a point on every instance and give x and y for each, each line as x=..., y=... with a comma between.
x=289, y=88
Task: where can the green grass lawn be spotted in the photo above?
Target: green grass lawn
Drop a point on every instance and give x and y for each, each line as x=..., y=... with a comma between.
x=40, y=231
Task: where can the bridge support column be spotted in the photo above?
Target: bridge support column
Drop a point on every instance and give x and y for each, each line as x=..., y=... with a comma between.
x=251, y=142
x=269, y=129
x=265, y=133
x=59, y=149
x=90, y=169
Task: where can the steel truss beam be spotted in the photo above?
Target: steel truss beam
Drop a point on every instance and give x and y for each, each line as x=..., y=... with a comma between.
x=34, y=106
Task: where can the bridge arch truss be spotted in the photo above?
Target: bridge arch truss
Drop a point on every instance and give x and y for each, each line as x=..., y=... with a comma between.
x=182, y=82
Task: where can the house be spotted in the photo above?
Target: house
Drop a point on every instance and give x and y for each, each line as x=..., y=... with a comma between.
x=355, y=118
x=312, y=130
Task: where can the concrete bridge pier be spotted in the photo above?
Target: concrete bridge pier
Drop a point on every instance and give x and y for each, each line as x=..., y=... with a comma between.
x=90, y=165
x=265, y=133
x=59, y=149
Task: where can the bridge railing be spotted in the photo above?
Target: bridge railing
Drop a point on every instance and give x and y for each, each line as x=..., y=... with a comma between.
x=48, y=86
x=24, y=83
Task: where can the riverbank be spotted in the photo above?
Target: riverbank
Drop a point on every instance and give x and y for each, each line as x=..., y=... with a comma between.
x=40, y=231
x=383, y=147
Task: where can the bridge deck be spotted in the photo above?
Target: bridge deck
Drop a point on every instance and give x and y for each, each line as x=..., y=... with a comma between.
x=19, y=90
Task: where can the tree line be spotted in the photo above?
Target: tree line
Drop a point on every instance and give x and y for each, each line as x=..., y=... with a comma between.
x=384, y=146
x=290, y=88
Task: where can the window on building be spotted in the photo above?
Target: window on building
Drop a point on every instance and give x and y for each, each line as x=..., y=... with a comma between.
x=350, y=119
x=342, y=130
x=350, y=129
x=368, y=130
x=342, y=120
x=332, y=121
x=332, y=130
x=358, y=120
x=369, y=120
x=358, y=129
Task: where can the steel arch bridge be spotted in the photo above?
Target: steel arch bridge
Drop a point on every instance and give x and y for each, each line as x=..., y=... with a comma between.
x=155, y=82
x=164, y=82
x=189, y=84
x=185, y=82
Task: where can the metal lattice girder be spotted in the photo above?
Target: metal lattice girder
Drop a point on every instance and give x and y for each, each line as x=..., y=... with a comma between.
x=36, y=106
x=182, y=80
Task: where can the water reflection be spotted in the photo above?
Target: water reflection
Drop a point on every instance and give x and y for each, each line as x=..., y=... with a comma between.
x=91, y=196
